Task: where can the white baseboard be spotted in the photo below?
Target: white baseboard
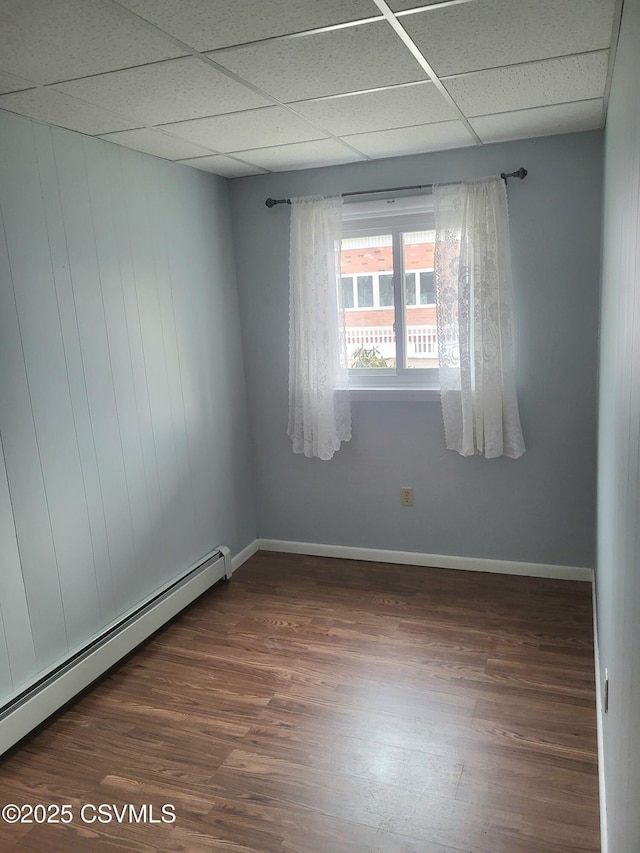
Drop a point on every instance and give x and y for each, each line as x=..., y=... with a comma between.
x=242, y=556
x=604, y=836
x=441, y=561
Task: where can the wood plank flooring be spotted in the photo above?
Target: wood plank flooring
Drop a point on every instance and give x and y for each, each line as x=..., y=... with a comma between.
x=319, y=706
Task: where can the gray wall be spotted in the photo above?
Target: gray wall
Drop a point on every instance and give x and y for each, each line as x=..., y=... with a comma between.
x=618, y=574
x=123, y=420
x=540, y=508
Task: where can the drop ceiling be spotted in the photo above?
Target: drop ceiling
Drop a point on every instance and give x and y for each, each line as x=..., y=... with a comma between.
x=242, y=87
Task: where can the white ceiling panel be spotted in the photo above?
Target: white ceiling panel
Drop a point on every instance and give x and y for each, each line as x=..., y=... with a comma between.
x=52, y=107
x=165, y=91
x=218, y=164
x=304, y=155
x=541, y=121
x=212, y=24
x=328, y=63
x=234, y=132
x=13, y=84
x=489, y=33
x=400, y=106
x=50, y=40
x=411, y=140
x=195, y=80
x=155, y=142
x=535, y=84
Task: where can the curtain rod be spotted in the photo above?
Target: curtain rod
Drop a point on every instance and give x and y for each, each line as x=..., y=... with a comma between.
x=519, y=173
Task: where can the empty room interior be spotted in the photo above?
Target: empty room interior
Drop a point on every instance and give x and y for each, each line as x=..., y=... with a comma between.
x=319, y=519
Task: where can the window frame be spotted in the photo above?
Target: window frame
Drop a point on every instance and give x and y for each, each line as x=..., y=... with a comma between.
x=417, y=383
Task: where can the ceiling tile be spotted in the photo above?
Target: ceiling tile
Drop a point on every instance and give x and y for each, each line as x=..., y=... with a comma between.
x=13, y=84
x=236, y=131
x=541, y=121
x=106, y=68
x=400, y=106
x=218, y=164
x=165, y=91
x=488, y=33
x=412, y=140
x=303, y=155
x=535, y=84
x=212, y=24
x=330, y=63
x=49, y=41
x=51, y=107
x=155, y=142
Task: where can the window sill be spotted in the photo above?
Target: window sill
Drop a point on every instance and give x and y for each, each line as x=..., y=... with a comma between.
x=395, y=394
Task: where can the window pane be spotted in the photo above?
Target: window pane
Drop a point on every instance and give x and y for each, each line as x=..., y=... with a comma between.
x=410, y=288
x=386, y=289
x=365, y=291
x=427, y=292
x=347, y=291
x=370, y=336
x=421, y=345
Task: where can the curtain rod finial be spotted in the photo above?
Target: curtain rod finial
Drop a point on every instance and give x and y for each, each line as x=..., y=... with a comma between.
x=519, y=173
x=271, y=202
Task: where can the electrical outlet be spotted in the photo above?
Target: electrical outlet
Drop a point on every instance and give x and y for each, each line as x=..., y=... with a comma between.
x=605, y=692
x=406, y=496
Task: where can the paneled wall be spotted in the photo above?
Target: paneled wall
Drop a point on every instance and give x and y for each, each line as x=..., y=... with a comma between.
x=122, y=406
x=618, y=566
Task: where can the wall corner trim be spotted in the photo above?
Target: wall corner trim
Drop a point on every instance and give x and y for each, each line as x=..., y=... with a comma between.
x=604, y=835
x=242, y=556
x=441, y=561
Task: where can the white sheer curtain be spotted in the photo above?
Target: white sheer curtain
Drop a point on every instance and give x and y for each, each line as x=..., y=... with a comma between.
x=474, y=298
x=319, y=406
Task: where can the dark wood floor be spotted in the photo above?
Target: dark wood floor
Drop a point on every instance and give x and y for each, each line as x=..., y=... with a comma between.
x=320, y=706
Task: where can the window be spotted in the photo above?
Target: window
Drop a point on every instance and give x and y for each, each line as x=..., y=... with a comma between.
x=367, y=291
x=422, y=294
x=347, y=292
x=386, y=289
x=388, y=293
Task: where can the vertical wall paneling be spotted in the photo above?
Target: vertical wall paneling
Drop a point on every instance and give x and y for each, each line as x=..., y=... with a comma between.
x=181, y=499
x=119, y=469
x=24, y=263
x=202, y=320
x=6, y=682
x=16, y=639
x=160, y=363
x=146, y=494
x=53, y=411
x=67, y=316
x=94, y=350
x=184, y=310
x=105, y=207
x=144, y=304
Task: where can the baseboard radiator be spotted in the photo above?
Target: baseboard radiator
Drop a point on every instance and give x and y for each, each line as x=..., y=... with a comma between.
x=56, y=687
